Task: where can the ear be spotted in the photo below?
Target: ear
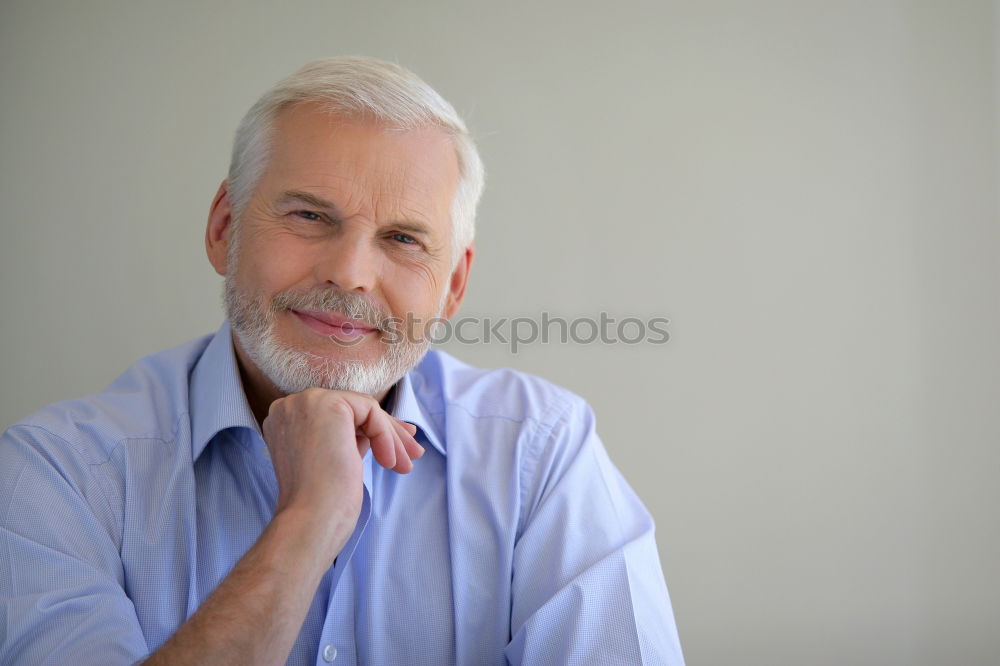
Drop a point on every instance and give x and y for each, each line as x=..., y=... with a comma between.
x=459, y=279
x=219, y=227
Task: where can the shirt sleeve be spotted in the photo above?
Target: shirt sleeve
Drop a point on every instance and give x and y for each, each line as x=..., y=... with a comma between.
x=587, y=586
x=62, y=587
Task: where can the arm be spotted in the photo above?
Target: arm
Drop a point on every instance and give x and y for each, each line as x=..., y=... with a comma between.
x=317, y=440
x=62, y=590
x=587, y=586
x=255, y=614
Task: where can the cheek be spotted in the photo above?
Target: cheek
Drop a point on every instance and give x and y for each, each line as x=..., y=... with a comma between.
x=416, y=292
x=273, y=262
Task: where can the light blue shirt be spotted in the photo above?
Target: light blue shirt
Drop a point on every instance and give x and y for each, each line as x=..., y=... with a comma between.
x=514, y=539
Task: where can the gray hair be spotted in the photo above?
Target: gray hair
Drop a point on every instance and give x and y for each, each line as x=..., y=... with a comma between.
x=355, y=86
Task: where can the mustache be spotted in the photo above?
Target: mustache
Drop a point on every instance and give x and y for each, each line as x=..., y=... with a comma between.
x=329, y=299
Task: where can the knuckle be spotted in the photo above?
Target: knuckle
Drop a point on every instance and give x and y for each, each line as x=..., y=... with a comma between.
x=275, y=407
x=341, y=407
x=314, y=393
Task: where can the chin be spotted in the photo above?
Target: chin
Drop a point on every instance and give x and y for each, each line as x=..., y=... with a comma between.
x=295, y=359
x=294, y=370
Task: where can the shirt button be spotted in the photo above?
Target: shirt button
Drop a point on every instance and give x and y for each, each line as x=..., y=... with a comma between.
x=329, y=653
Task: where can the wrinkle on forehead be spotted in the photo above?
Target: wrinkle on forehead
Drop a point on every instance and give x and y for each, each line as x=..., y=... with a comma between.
x=374, y=171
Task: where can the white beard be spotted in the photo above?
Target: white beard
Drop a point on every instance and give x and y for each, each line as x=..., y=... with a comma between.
x=292, y=370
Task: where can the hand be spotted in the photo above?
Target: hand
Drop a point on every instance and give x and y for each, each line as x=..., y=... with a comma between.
x=317, y=440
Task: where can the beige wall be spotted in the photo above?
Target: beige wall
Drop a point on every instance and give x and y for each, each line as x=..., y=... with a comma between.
x=808, y=190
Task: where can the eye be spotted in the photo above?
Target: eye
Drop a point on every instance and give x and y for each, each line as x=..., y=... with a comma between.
x=308, y=215
x=404, y=238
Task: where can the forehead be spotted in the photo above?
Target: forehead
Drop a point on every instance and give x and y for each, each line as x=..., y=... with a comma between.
x=362, y=165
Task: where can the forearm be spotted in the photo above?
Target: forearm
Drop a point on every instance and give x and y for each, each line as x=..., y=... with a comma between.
x=255, y=614
x=317, y=440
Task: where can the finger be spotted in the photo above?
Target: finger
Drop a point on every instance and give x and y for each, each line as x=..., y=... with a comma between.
x=371, y=421
x=364, y=444
x=409, y=427
x=411, y=447
x=403, y=464
x=383, y=438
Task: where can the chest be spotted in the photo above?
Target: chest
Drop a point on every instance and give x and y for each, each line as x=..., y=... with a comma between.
x=426, y=580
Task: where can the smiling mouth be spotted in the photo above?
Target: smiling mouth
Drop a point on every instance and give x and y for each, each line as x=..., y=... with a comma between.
x=332, y=324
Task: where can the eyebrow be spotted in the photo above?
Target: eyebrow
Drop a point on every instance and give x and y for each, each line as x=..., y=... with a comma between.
x=292, y=196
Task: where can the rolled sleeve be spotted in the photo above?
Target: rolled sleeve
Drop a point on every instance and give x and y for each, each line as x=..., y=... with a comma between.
x=62, y=596
x=587, y=586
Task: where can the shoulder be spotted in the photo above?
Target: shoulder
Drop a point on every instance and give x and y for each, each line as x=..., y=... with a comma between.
x=148, y=400
x=450, y=385
x=512, y=430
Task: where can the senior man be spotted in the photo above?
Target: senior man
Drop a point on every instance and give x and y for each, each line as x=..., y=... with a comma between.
x=310, y=484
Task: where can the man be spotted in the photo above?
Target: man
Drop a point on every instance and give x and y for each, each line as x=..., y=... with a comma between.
x=310, y=484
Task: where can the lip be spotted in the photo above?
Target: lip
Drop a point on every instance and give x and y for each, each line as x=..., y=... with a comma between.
x=331, y=323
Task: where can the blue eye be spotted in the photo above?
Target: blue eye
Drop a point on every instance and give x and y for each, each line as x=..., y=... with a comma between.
x=404, y=238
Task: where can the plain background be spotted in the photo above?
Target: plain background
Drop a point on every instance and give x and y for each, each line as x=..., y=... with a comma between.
x=808, y=190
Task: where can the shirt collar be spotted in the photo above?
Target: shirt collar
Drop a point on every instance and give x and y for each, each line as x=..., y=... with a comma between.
x=217, y=398
x=219, y=403
x=406, y=407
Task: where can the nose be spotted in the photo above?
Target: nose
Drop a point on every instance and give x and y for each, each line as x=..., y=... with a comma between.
x=349, y=260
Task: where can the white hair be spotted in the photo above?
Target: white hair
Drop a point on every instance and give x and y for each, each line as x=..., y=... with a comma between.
x=357, y=87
